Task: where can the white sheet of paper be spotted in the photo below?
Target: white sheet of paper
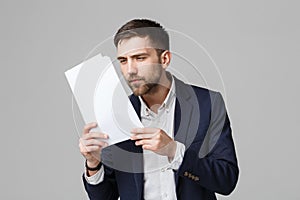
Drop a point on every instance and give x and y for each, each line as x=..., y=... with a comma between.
x=101, y=98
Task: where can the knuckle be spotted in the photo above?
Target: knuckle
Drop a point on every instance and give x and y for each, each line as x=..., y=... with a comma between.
x=87, y=149
x=82, y=150
x=96, y=148
x=101, y=144
x=80, y=140
x=158, y=137
x=86, y=127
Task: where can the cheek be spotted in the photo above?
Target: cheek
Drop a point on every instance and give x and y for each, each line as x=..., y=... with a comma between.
x=153, y=70
x=145, y=68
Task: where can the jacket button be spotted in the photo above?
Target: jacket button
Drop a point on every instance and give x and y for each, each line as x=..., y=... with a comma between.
x=186, y=174
x=196, y=178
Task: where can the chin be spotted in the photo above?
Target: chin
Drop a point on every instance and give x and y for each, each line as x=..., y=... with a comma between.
x=144, y=89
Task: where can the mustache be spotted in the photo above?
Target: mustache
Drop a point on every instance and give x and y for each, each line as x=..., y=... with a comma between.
x=132, y=78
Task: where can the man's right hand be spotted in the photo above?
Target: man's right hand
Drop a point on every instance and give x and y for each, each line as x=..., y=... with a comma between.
x=91, y=144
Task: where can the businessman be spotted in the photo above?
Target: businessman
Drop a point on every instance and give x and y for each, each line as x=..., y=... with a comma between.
x=185, y=151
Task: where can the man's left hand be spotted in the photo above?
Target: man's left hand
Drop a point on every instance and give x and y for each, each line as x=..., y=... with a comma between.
x=156, y=140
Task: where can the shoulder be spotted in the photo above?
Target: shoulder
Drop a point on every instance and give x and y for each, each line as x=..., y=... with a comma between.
x=199, y=91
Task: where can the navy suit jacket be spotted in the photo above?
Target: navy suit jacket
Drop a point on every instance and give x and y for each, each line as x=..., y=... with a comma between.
x=209, y=165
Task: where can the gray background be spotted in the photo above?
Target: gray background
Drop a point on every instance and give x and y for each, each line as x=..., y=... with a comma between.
x=255, y=44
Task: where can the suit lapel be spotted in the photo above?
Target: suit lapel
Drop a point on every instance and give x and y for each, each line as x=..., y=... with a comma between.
x=187, y=115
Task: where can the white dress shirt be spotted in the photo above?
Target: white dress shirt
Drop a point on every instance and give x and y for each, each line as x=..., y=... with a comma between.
x=159, y=182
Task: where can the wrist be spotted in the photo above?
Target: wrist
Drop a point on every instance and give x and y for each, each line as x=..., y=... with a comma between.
x=172, y=150
x=90, y=165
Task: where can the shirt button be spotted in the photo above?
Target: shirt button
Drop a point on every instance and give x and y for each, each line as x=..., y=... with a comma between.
x=163, y=170
x=147, y=112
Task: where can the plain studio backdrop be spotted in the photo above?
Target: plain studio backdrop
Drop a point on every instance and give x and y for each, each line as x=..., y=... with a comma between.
x=255, y=45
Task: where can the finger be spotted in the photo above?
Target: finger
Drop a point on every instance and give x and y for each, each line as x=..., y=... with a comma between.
x=88, y=127
x=94, y=142
x=95, y=135
x=90, y=149
x=142, y=136
x=143, y=142
x=85, y=148
x=147, y=130
x=147, y=147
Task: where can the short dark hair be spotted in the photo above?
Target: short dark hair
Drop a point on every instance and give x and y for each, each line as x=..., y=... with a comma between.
x=158, y=36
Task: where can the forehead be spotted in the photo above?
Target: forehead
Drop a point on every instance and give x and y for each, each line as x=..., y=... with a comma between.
x=133, y=45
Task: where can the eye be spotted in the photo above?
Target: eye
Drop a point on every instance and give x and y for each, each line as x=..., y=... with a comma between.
x=122, y=61
x=141, y=58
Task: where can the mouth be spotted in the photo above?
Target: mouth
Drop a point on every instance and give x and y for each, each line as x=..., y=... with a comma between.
x=135, y=80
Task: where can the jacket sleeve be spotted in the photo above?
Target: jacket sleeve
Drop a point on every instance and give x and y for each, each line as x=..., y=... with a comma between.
x=107, y=189
x=211, y=162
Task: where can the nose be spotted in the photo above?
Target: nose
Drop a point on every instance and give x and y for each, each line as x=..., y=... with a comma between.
x=131, y=67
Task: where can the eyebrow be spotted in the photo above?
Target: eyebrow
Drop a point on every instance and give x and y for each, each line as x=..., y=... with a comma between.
x=133, y=56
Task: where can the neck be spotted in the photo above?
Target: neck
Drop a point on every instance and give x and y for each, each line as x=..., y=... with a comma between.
x=158, y=94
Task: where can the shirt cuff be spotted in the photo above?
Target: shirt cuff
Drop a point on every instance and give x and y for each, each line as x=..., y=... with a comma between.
x=177, y=160
x=96, y=178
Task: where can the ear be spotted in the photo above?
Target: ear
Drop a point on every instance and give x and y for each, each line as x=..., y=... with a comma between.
x=165, y=58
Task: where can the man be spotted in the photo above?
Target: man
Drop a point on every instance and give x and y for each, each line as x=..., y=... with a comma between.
x=186, y=149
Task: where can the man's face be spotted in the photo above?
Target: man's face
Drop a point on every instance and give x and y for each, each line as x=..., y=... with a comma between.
x=140, y=64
